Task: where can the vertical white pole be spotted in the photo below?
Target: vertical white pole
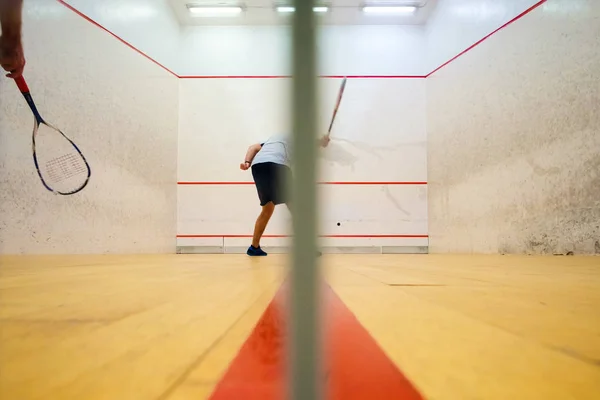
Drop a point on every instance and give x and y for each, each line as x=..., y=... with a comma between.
x=304, y=384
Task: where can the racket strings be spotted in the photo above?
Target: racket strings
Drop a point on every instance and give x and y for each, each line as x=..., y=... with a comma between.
x=64, y=167
x=61, y=166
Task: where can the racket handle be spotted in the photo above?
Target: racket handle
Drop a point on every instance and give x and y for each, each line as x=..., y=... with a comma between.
x=22, y=85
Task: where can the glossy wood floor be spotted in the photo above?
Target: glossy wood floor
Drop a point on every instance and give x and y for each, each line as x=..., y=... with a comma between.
x=167, y=327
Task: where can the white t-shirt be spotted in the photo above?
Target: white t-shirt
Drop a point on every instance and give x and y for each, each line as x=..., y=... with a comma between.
x=276, y=150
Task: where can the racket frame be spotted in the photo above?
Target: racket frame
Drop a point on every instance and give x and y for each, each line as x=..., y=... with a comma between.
x=337, y=104
x=22, y=85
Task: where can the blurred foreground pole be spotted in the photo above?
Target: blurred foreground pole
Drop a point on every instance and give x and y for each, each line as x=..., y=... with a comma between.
x=304, y=372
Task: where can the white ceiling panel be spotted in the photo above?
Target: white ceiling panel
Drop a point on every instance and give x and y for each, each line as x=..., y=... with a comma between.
x=342, y=12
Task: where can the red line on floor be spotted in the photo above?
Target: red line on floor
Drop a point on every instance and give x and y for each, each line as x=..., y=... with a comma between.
x=354, y=368
x=321, y=183
x=285, y=236
x=530, y=9
x=258, y=370
x=357, y=367
x=70, y=7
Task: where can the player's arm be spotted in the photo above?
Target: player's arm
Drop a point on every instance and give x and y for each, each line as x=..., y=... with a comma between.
x=10, y=17
x=250, y=154
x=12, y=58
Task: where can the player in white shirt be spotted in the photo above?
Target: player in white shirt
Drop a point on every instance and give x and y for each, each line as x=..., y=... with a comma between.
x=270, y=163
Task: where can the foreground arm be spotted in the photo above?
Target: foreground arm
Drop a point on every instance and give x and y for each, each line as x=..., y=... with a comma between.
x=12, y=58
x=250, y=154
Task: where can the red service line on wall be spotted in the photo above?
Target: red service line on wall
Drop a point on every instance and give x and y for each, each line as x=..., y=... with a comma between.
x=289, y=76
x=321, y=183
x=322, y=236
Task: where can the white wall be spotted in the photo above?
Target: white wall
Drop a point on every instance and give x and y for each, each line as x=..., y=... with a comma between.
x=379, y=134
x=456, y=25
x=148, y=25
x=512, y=129
x=122, y=111
x=265, y=50
x=514, y=134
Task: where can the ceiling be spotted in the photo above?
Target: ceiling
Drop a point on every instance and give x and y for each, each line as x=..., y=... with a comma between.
x=341, y=12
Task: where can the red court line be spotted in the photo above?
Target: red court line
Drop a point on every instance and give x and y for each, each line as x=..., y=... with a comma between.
x=530, y=9
x=182, y=236
x=214, y=183
x=70, y=7
x=374, y=76
x=354, y=366
x=63, y=2
x=289, y=76
x=321, y=183
x=234, y=76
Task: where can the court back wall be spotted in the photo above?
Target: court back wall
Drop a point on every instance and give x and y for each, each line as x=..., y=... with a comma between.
x=379, y=134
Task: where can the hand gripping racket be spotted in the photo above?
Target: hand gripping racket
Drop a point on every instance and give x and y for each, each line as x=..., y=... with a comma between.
x=61, y=166
x=337, y=105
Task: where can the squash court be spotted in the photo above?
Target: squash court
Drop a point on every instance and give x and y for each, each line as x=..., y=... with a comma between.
x=456, y=206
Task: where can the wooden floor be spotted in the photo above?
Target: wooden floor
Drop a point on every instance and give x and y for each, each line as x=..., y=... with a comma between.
x=167, y=327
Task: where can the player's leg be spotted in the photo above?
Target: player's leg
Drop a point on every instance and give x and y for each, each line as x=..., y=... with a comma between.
x=286, y=181
x=259, y=227
x=264, y=179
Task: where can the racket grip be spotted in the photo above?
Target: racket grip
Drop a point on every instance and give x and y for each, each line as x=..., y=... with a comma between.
x=22, y=85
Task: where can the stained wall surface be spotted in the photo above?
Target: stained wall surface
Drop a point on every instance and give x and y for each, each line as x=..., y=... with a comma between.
x=149, y=25
x=514, y=135
x=121, y=110
x=506, y=134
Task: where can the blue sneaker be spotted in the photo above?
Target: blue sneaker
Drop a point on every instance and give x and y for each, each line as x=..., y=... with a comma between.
x=255, y=251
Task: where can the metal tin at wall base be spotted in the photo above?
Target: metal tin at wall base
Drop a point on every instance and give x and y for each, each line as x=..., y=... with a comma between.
x=405, y=250
x=200, y=250
x=325, y=250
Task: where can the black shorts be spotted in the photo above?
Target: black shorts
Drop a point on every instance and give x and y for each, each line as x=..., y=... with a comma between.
x=271, y=180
